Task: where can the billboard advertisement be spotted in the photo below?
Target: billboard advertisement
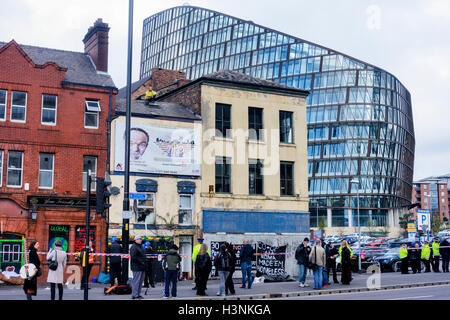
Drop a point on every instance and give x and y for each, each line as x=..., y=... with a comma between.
x=158, y=149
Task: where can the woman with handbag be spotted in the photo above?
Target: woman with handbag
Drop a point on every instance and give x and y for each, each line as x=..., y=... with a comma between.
x=317, y=260
x=30, y=285
x=57, y=260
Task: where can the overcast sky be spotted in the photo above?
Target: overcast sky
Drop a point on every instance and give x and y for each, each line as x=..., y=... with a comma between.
x=408, y=38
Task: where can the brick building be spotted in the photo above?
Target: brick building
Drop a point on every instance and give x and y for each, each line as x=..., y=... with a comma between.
x=55, y=111
x=432, y=193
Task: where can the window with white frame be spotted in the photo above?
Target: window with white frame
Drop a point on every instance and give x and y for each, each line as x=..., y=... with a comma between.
x=3, y=99
x=18, y=106
x=1, y=167
x=49, y=103
x=46, y=167
x=185, y=212
x=15, y=169
x=91, y=114
x=146, y=209
x=89, y=163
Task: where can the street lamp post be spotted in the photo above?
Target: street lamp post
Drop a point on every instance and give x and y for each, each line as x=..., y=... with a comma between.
x=126, y=197
x=359, y=224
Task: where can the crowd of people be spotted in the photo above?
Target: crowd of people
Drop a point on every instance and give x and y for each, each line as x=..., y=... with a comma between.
x=320, y=258
x=429, y=255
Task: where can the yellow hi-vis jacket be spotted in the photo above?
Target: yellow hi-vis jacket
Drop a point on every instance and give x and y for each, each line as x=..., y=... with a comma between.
x=425, y=252
x=436, y=246
x=403, y=253
x=340, y=251
x=149, y=94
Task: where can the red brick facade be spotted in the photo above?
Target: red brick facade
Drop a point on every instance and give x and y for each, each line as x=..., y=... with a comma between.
x=68, y=141
x=190, y=98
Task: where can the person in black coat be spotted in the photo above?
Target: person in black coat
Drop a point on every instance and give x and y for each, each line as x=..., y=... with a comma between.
x=445, y=253
x=30, y=286
x=414, y=258
x=115, y=262
x=203, y=267
x=302, y=256
x=137, y=258
x=331, y=261
x=229, y=284
x=148, y=278
x=346, y=264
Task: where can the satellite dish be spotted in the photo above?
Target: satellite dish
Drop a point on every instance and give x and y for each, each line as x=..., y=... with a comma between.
x=115, y=191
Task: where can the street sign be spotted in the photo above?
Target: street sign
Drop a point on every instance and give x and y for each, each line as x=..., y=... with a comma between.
x=412, y=236
x=411, y=227
x=423, y=219
x=138, y=196
x=127, y=214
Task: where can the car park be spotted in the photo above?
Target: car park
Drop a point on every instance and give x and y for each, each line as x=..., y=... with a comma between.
x=390, y=261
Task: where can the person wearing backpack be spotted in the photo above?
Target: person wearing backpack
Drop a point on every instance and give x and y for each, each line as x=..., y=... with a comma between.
x=171, y=265
x=223, y=266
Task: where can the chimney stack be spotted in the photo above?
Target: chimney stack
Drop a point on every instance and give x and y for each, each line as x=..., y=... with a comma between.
x=96, y=44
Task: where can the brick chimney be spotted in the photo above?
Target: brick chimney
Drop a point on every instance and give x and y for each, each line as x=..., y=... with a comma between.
x=96, y=44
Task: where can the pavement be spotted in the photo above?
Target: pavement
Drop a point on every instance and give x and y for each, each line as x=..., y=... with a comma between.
x=274, y=290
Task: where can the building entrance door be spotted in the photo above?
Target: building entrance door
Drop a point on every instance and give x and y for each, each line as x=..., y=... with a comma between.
x=186, y=252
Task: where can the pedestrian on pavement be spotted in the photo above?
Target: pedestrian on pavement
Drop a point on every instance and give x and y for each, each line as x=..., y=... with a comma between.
x=195, y=252
x=346, y=262
x=229, y=284
x=425, y=256
x=223, y=266
x=115, y=262
x=30, y=285
x=436, y=254
x=445, y=253
x=90, y=264
x=137, y=259
x=403, y=252
x=331, y=261
x=171, y=265
x=325, y=268
x=414, y=258
x=246, y=255
x=302, y=257
x=318, y=259
x=148, y=277
x=203, y=266
x=56, y=277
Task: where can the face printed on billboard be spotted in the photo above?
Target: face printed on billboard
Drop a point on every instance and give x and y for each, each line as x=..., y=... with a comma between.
x=160, y=150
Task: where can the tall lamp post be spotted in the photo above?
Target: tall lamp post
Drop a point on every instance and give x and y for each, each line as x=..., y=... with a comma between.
x=126, y=195
x=354, y=181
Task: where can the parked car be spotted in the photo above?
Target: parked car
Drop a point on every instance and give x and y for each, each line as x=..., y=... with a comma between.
x=390, y=261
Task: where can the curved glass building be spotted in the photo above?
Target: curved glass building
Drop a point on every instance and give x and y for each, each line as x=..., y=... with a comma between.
x=360, y=124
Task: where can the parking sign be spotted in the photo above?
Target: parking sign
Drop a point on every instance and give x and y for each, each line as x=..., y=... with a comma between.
x=423, y=219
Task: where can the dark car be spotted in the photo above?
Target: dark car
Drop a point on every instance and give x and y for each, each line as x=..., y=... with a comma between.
x=390, y=261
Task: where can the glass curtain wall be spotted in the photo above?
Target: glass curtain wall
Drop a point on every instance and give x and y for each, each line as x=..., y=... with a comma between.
x=359, y=117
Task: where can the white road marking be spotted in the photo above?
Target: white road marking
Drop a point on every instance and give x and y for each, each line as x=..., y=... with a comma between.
x=408, y=298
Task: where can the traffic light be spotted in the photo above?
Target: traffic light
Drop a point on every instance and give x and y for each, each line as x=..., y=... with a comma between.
x=102, y=196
